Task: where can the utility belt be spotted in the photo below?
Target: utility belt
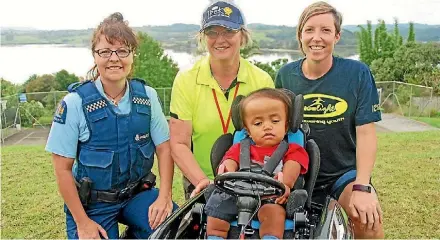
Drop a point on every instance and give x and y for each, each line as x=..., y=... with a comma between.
x=88, y=196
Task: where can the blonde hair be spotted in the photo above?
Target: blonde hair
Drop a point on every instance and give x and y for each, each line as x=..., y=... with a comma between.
x=312, y=10
x=115, y=29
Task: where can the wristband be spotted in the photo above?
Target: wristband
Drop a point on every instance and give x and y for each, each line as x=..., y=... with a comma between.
x=362, y=188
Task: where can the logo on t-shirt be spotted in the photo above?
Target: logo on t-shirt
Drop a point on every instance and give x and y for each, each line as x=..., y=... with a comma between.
x=324, y=109
x=375, y=108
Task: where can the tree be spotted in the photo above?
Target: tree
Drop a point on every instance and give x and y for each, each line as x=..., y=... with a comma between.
x=22, y=88
x=398, y=39
x=29, y=111
x=365, y=44
x=411, y=34
x=7, y=88
x=416, y=63
x=152, y=65
x=250, y=50
x=382, y=45
x=44, y=83
x=63, y=79
x=272, y=67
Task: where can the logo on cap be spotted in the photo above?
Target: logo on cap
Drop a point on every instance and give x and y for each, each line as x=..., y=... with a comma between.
x=216, y=11
x=227, y=11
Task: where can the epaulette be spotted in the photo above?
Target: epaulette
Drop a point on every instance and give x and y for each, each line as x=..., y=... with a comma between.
x=73, y=86
x=140, y=80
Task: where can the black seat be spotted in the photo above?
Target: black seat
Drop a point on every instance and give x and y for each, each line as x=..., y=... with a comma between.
x=298, y=130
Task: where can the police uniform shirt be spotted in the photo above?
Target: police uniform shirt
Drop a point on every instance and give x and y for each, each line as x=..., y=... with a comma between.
x=70, y=125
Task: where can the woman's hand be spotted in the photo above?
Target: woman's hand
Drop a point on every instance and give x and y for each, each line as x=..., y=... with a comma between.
x=365, y=207
x=89, y=229
x=159, y=211
x=200, y=186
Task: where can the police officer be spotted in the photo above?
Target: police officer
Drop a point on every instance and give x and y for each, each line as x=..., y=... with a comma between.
x=103, y=139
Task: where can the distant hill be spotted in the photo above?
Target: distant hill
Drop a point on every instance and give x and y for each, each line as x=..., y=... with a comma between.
x=18, y=28
x=182, y=36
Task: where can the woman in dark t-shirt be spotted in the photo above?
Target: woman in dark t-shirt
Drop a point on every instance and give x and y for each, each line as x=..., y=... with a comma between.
x=341, y=105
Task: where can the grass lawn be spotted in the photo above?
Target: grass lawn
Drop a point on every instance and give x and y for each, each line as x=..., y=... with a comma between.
x=435, y=122
x=406, y=177
x=46, y=120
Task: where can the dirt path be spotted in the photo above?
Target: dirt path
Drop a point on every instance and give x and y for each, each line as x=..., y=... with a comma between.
x=397, y=123
x=32, y=136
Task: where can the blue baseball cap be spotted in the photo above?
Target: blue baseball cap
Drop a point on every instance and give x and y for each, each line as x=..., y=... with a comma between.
x=222, y=14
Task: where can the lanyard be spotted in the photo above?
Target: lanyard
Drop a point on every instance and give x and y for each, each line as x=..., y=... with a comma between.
x=225, y=126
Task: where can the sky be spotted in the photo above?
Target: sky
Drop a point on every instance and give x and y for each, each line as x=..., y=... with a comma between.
x=82, y=14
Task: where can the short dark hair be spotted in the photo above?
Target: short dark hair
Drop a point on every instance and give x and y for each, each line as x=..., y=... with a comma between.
x=277, y=94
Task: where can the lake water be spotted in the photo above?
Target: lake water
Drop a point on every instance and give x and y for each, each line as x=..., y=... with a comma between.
x=18, y=63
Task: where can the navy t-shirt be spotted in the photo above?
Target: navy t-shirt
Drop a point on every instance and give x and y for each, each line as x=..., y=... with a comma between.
x=334, y=104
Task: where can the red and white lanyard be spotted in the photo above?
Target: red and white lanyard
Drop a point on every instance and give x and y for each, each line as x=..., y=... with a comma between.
x=225, y=126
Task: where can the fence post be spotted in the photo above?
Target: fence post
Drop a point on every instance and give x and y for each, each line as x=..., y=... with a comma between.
x=410, y=100
x=55, y=100
x=430, y=101
x=394, y=84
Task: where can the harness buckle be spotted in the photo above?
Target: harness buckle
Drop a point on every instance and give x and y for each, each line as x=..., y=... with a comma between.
x=249, y=231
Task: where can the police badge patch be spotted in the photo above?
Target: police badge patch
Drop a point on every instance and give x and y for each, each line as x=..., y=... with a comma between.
x=61, y=113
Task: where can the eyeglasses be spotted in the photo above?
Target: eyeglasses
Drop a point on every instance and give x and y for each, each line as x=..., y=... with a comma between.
x=107, y=53
x=228, y=33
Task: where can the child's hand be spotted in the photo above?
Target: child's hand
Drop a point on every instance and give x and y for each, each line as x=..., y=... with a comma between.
x=222, y=169
x=227, y=166
x=283, y=199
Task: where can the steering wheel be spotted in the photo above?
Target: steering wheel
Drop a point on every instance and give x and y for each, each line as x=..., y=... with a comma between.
x=247, y=183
